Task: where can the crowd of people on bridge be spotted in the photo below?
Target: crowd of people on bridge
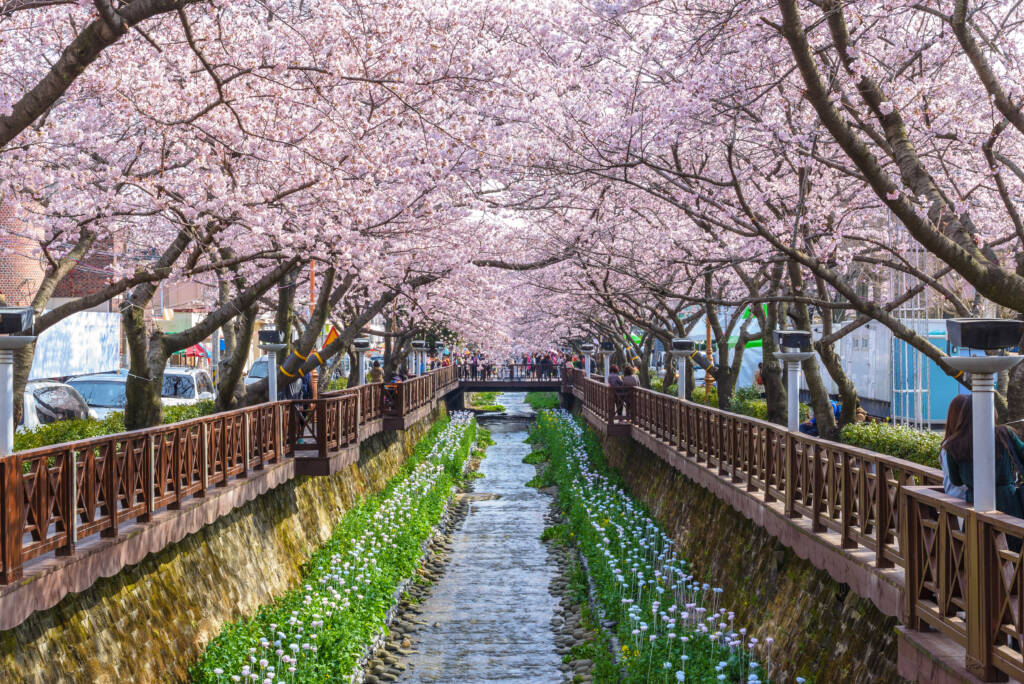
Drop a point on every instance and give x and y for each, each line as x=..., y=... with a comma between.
x=538, y=366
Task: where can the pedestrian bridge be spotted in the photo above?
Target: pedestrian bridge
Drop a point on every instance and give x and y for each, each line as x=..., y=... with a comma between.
x=75, y=512
x=511, y=378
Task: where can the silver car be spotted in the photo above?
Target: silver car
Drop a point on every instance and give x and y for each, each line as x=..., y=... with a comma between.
x=47, y=401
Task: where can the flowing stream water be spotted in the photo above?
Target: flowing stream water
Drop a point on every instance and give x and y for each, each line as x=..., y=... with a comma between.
x=492, y=608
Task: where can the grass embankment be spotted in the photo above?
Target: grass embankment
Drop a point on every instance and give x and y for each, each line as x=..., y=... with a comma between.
x=672, y=627
x=543, y=400
x=318, y=631
x=485, y=401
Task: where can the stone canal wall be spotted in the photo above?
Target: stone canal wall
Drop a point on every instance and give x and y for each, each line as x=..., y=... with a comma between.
x=149, y=622
x=822, y=630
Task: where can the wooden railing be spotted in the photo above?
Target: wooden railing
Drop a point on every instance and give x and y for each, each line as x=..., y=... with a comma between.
x=600, y=398
x=964, y=578
x=55, y=496
x=323, y=425
x=963, y=571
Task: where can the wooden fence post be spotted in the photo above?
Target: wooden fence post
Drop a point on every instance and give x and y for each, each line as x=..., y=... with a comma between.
x=204, y=455
x=910, y=545
x=980, y=581
x=882, y=514
x=246, y=442
x=817, y=485
x=12, y=501
x=110, y=485
x=149, y=464
x=69, y=492
x=320, y=421
x=790, y=490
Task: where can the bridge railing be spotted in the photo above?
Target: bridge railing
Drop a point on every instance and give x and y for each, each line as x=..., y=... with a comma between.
x=963, y=571
x=964, y=578
x=514, y=372
x=53, y=497
x=838, y=487
x=323, y=425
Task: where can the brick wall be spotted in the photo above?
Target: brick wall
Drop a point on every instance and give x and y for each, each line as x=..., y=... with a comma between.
x=91, y=273
x=21, y=270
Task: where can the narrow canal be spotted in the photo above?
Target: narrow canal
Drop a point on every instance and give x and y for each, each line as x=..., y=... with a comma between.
x=489, y=616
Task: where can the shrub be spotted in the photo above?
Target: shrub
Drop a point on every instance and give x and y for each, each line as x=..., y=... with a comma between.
x=543, y=400
x=485, y=401
x=337, y=384
x=706, y=395
x=656, y=605
x=919, y=446
x=74, y=430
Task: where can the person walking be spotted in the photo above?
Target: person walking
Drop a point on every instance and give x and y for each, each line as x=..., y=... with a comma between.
x=630, y=379
x=376, y=373
x=615, y=380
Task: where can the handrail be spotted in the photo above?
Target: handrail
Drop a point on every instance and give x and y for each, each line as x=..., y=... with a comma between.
x=964, y=578
x=963, y=571
x=54, y=496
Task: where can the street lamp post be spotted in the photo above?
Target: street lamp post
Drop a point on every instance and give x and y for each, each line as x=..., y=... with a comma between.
x=796, y=347
x=989, y=335
x=607, y=349
x=361, y=345
x=587, y=349
x=419, y=353
x=12, y=320
x=271, y=341
x=681, y=349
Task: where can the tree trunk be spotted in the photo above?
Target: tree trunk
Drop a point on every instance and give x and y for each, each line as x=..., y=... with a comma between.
x=353, y=368
x=825, y=419
x=834, y=365
x=771, y=369
x=144, y=383
x=231, y=394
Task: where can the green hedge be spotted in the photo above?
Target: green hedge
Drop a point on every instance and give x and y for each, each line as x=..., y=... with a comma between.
x=337, y=384
x=919, y=446
x=74, y=430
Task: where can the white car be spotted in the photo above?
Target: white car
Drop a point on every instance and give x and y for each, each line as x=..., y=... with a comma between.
x=105, y=392
x=47, y=401
x=186, y=386
x=258, y=370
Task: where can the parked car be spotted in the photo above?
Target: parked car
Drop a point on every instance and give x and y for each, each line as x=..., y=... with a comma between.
x=105, y=392
x=258, y=370
x=186, y=386
x=47, y=401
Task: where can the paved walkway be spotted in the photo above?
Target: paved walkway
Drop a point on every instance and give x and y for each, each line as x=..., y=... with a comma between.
x=492, y=606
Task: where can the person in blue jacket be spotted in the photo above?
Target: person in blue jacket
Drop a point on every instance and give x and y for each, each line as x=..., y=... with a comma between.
x=810, y=427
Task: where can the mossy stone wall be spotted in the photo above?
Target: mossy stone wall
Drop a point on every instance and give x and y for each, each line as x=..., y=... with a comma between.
x=822, y=631
x=150, y=622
